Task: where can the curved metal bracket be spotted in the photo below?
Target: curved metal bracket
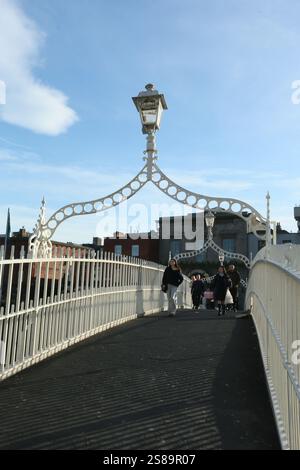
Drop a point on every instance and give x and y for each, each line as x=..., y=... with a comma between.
x=97, y=205
x=255, y=221
x=44, y=230
x=216, y=248
x=40, y=244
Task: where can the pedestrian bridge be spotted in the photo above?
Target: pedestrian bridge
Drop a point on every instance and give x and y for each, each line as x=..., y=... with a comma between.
x=139, y=379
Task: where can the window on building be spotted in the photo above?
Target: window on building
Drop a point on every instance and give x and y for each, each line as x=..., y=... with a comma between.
x=286, y=241
x=135, y=250
x=118, y=249
x=229, y=244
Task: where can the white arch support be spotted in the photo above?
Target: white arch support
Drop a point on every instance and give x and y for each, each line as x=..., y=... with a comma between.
x=217, y=249
x=40, y=240
x=255, y=221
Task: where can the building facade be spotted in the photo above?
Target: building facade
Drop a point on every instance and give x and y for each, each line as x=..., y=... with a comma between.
x=229, y=232
x=140, y=245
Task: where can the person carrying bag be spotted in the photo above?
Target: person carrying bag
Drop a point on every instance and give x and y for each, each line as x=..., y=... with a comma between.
x=220, y=285
x=172, y=279
x=228, y=298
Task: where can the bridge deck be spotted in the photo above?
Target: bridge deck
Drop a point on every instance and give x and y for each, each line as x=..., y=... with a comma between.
x=190, y=382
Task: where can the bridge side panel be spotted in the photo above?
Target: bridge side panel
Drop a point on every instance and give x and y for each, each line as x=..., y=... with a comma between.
x=48, y=305
x=273, y=295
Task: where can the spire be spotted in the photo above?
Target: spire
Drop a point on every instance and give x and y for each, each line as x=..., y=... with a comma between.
x=268, y=227
x=7, y=231
x=42, y=215
x=268, y=197
x=8, y=226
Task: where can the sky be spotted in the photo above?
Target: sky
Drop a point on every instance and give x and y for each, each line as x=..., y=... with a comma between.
x=229, y=71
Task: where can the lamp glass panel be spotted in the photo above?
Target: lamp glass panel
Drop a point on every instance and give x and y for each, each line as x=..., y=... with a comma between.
x=149, y=116
x=159, y=113
x=209, y=219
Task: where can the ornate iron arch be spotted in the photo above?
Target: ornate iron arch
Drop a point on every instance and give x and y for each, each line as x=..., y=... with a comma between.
x=255, y=221
x=217, y=249
x=149, y=103
x=40, y=240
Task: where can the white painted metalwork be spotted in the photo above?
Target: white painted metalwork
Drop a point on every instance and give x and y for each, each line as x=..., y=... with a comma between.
x=268, y=224
x=209, y=220
x=221, y=258
x=274, y=237
x=273, y=296
x=150, y=105
x=39, y=242
x=255, y=221
x=211, y=244
x=50, y=304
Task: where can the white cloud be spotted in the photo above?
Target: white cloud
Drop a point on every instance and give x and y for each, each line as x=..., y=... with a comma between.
x=29, y=103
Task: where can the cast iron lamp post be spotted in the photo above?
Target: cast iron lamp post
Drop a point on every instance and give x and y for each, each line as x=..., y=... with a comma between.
x=210, y=221
x=221, y=258
x=150, y=105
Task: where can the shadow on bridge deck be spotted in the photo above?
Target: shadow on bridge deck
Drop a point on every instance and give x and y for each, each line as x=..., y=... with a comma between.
x=190, y=382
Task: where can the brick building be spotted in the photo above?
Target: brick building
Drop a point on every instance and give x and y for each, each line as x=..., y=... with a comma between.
x=142, y=245
x=20, y=240
x=49, y=269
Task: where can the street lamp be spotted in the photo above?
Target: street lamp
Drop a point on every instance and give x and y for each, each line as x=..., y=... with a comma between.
x=210, y=221
x=221, y=258
x=150, y=105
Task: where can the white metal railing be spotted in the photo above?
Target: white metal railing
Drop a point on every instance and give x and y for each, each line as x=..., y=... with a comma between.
x=50, y=304
x=273, y=295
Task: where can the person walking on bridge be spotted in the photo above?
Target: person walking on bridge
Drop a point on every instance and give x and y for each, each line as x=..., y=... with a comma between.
x=197, y=291
x=234, y=290
x=172, y=279
x=220, y=284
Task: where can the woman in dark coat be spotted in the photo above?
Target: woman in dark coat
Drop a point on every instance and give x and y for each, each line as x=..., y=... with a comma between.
x=172, y=278
x=220, y=284
x=197, y=291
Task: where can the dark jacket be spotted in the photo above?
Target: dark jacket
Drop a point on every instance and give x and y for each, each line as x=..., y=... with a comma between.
x=220, y=284
x=172, y=277
x=198, y=287
x=235, y=277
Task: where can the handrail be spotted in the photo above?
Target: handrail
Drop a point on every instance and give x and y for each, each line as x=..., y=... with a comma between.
x=273, y=297
x=49, y=304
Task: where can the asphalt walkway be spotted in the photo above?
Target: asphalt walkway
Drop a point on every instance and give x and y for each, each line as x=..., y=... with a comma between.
x=195, y=381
